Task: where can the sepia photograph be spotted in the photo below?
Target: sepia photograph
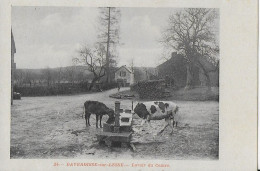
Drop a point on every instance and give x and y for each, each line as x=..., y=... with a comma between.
x=114, y=83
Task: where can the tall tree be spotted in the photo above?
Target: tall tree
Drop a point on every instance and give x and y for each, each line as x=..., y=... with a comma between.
x=109, y=20
x=192, y=32
x=94, y=59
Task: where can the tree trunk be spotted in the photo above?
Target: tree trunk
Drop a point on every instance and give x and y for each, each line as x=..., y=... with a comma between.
x=206, y=73
x=189, y=78
x=208, y=84
x=107, y=54
x=93, y=82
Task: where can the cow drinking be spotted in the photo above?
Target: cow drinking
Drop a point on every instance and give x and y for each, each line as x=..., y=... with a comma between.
x=99, y=109
x=157, y=110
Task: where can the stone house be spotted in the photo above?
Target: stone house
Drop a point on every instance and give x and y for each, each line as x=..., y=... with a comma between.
x=175, y=70
x=124, y=76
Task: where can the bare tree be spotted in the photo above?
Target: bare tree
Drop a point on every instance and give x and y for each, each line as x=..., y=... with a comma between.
x=94, y=59
x=192, y=33
x=109, y=35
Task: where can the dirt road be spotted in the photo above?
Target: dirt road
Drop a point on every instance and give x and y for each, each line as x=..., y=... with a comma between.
x=52, y=127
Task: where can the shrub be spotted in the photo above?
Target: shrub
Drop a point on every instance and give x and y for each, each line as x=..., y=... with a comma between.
x=57, y=89
x=107, y=86
x=151, y=89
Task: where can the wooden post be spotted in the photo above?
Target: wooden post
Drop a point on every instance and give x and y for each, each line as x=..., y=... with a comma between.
x=117, y=113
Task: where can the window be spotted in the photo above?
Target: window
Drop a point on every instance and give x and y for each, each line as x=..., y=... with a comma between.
x=122, y=73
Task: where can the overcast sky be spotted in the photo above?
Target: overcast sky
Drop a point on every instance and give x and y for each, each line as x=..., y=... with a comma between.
x=50, y=36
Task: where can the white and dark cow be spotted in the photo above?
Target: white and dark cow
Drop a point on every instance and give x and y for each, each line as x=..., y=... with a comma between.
x=99, y=109
x=157, y=110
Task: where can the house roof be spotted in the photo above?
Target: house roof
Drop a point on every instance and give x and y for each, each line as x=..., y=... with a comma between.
x=209, y=65
x=124, y=66
x=174, y=55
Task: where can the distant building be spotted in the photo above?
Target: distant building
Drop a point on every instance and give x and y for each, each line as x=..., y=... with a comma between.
x=13, y=65
x=124, y=76
x=175, y=70
x=145, y=73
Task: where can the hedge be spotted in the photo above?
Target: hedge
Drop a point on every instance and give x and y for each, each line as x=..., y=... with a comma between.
x=152, y=89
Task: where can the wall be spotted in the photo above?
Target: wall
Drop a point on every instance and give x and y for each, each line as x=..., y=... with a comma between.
x=127, y=76
x=175, y=69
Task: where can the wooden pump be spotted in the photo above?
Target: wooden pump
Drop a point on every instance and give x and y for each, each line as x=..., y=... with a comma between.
x=117, y=114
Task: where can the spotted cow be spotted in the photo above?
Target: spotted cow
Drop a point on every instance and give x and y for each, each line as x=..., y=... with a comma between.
x=157, y=110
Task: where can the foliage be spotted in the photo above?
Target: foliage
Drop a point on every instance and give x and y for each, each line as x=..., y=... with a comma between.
x=110, y=85
x=57, y=89
x=50, y=76
x=152, y=89
x=191, y=32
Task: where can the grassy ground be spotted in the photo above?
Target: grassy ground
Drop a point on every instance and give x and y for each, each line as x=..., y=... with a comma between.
x=195, y=94
x=52, y=127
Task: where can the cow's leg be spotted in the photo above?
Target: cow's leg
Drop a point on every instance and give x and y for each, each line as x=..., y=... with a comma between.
x=163, y=129
x=100, y=119
x=142, y=124
x=97, y=120
x=148, y=120
x=89, y=118
x=150, y=125
x=143, y=121
x=83, y=111
x=168, y=122
x=87, y=115
x=141, y=127
x=86, y=118
x=171, y=125
x=151, y=129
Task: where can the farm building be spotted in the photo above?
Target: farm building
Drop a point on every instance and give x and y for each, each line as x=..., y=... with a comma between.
x=124, y=76
x=145, y=73
x=175, y=70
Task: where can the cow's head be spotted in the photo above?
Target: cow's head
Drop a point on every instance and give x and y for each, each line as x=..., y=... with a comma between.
x=141, y=111
x=111, y=116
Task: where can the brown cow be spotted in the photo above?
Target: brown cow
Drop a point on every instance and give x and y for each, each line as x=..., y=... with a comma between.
x=99, y=109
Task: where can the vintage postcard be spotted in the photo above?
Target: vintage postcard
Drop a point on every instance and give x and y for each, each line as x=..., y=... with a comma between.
x=155, y=85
